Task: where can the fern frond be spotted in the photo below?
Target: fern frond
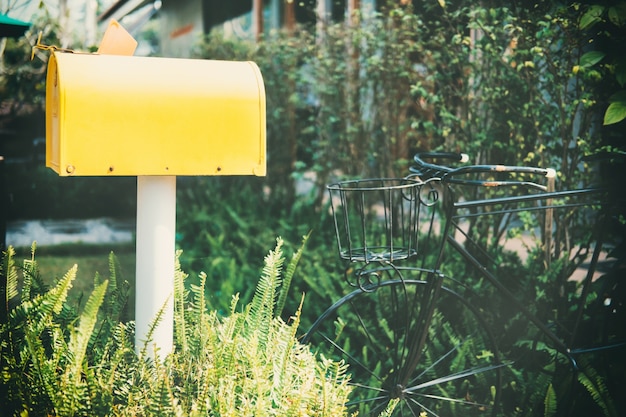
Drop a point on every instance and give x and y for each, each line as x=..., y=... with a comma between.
x=262, y=304
x=334, y=380
x=71, y=397
x=114, y=266
x=118, y=290
x=10, y=271
x=284, y=344
x=180, y=325
x=199, y=312
x=39, y=311
x=58, y=294
x=534, y=396
x=120, y=347
x=595, y=386
x=289, y=272
x=233, y=303
x=388, y=411
x=30, y=273
x=198, y=302
x=550, y=402
x=147, y=342
x=33, y=356
x=79, y=339
x=225, y=350
x=162, y=401
x=206, y=383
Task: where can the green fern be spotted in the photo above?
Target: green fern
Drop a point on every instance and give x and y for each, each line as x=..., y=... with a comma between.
x=39, y=312
x=72, y=388
x=114, y=267
x=262, y=306
x=388, y=411
x=148, y=348
x=117, y=292
x=595, y=386
x=550, y=402
x=180, y=329
x=112, y=369
x=198, y=314
x=289, y=273
x=57, y=361
x=8, y=266
x=284, y=342
x=38, y=341
x=30, y=273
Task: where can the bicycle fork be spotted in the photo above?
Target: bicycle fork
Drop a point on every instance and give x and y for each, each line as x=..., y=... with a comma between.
x=419, y=330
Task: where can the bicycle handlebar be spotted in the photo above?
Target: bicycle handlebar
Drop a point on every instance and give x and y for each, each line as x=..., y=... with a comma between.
x=427, y=170
x=454, y=175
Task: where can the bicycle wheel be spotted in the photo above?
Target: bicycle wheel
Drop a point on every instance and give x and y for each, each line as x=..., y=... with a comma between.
x=373, y=329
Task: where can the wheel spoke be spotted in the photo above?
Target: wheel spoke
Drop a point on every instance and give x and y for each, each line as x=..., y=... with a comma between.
x=454, y=400
x=423, y=407
x=458, y=375
x=435, y=363
x=377, y=329
x=352, y=360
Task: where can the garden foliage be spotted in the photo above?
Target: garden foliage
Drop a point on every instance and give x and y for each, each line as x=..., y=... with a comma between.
x=506, y=82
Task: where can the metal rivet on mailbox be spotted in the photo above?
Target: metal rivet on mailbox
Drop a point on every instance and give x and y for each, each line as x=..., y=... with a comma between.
x=69, y=169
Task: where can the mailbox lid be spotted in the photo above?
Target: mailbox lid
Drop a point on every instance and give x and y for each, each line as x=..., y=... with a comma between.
x=119, y=115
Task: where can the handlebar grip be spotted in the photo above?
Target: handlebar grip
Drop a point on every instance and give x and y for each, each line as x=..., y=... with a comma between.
x=456, y=176
x=452, y=156
x=546, y=172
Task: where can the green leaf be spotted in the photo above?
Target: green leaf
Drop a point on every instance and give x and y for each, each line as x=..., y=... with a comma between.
x=619, y=97
x=591, y=58
x=620, y=72
x=616, y=112
x=591, y=17
x=617, y=14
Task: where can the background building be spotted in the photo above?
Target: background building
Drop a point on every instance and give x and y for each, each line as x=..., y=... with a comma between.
x=183, y=22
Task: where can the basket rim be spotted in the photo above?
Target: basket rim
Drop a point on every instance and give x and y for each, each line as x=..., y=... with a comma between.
x=378, y=253
x=386, y=184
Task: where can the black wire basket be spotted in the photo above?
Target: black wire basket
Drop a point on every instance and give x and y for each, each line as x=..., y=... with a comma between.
x=378, y=220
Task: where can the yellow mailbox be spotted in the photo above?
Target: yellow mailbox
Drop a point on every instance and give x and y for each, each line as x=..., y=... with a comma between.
x=134, y=116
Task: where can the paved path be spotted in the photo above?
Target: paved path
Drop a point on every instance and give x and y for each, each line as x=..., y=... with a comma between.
x=55, y=232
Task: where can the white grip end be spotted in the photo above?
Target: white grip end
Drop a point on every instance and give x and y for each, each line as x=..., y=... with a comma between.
x=550, y=173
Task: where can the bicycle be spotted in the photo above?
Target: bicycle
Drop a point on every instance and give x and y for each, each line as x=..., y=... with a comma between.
x=416, y=336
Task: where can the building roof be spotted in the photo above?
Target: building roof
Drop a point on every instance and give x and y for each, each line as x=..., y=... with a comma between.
x=12, y=28
x=121, y=8
x=215, y=11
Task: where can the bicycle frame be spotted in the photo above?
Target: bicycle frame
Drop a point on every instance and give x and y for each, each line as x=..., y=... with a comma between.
x=551, y=200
